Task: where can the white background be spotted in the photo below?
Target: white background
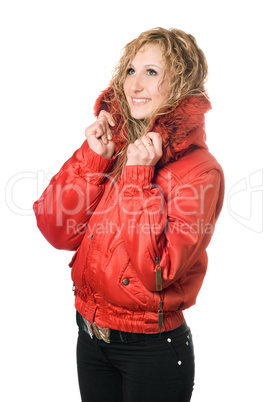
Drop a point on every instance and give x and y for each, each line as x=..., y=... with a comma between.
x=56, y=57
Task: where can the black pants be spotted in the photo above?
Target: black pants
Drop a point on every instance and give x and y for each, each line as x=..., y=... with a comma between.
x=136, y=367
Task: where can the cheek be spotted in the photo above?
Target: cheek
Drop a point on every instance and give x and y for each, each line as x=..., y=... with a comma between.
x=160, y=96
x=126, y=86
x=163, y=89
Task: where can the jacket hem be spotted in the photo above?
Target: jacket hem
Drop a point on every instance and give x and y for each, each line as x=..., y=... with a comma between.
x=128, y=321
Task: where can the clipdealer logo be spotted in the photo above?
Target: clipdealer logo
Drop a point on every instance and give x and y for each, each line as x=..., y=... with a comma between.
x=244, y=199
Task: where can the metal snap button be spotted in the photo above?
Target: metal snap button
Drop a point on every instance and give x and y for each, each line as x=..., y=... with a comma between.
x=125, y=281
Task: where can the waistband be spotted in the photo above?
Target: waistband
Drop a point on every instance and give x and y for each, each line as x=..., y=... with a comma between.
x=112, y=335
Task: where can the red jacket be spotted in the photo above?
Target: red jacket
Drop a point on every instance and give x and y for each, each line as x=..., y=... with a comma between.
x=140, y=245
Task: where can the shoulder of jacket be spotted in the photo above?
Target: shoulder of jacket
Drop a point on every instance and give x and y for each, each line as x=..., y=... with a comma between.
x=188, y=166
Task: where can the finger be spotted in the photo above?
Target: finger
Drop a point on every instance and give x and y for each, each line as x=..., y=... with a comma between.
x=108, y=116
x=104, y=138
x=109, y=134
x=139, y=144
x=155, y=137
x=102, y=120
x=147, y=142
x=106, y=128
x=108, y=131
x=100, y=131
x=94, y=131
x=156, y=140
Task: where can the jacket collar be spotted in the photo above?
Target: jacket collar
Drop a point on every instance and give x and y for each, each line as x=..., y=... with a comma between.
x=181, y=129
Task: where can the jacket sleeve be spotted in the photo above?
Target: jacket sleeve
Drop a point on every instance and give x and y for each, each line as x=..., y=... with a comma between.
x=165, y=232
x=64, y=208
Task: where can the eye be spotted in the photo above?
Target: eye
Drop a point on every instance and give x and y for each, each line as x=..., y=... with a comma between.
x=150, y=71
x=131, y=71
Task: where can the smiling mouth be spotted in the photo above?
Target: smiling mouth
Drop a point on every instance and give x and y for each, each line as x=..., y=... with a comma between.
x=140, y=101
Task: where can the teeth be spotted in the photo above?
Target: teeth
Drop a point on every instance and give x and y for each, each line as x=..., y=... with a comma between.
x=141, y=100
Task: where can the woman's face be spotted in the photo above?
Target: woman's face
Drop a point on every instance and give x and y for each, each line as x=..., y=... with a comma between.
x=142, y=87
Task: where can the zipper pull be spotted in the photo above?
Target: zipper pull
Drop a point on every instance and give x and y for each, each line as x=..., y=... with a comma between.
x=160, y=316
x=73, y=289
x=158, y=273
x=91, y=238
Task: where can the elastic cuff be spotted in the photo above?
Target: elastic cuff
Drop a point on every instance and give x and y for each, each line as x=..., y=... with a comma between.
x=139, y=175
x=98, y=163
x=95, y=168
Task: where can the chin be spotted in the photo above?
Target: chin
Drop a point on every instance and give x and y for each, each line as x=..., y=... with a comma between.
x=139, y=115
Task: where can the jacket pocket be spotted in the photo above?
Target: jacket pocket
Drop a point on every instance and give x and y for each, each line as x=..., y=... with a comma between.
x=77, y=271
x=132, y=288
x=118, y=282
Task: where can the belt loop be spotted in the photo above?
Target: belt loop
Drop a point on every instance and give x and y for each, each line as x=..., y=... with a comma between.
x=122, y=337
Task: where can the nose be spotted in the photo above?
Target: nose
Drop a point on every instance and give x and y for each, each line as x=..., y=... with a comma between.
x=136, y=84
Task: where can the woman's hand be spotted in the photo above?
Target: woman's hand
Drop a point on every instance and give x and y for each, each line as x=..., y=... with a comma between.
x=99, y=135
x=147, y=150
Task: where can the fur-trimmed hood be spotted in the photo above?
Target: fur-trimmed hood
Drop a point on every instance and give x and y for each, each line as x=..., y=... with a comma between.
x=180, y=129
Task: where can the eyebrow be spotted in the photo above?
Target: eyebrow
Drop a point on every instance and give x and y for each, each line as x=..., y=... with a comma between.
x=149, y=65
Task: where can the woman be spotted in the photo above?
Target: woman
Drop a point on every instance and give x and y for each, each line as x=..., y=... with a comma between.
x=138, y=202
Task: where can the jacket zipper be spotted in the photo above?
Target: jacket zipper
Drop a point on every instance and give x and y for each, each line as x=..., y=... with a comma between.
x=158, y=273
x=91, y=238
x=159, y=288
x=160, y=315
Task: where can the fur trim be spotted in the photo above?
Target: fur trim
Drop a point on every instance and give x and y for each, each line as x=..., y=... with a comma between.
x=181, y=129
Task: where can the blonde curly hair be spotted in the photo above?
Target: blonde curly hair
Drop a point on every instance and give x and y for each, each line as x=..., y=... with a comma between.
x=185, y=68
